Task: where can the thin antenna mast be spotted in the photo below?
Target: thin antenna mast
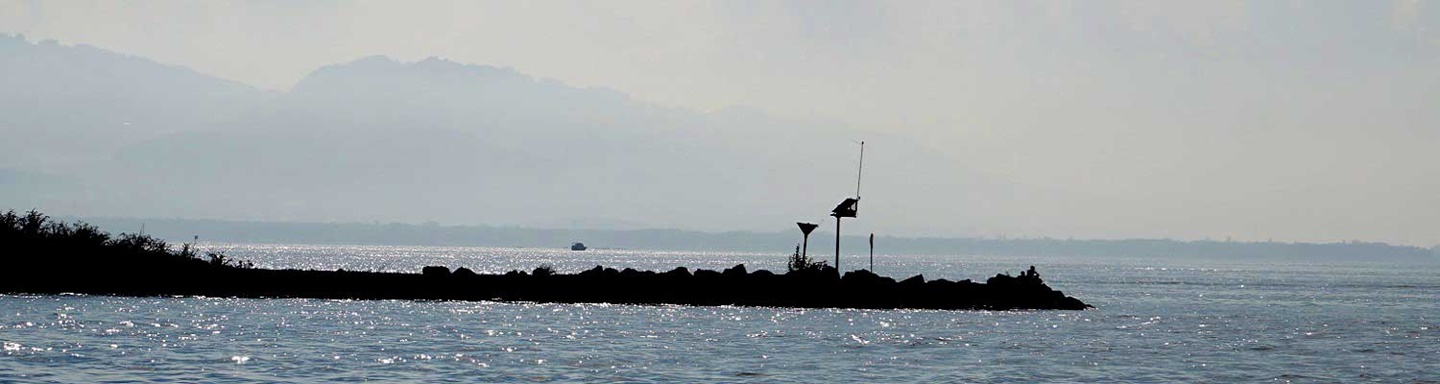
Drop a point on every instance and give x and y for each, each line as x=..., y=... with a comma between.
x=861, y=171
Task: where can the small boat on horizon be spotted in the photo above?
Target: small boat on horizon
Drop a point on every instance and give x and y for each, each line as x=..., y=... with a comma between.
x=578, y=246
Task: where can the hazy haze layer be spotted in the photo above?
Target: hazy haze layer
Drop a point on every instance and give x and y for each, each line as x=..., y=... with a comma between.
x=1287, y=120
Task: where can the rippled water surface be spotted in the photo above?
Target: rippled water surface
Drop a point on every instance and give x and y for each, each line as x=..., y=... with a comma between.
x=1183, y=321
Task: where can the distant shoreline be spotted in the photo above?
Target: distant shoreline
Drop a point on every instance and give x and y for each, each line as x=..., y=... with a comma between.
x=682, y=240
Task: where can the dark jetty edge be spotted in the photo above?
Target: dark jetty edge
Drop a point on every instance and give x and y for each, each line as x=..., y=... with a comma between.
x=48, y=257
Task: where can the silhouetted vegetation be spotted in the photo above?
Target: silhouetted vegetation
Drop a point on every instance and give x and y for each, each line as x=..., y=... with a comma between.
x=220, y=260
x=34, y=238
x=799, y=263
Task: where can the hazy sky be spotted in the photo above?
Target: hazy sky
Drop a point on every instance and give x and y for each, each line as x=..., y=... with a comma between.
x=1302, y=120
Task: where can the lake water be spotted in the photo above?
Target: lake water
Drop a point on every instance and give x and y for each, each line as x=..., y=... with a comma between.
x=1157, y=320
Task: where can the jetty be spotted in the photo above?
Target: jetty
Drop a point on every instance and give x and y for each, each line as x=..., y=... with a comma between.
x=733, y=286
x=44, y=257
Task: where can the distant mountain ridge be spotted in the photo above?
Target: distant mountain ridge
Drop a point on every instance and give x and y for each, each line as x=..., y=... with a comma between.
x=379, y=139
x=92, y=102
x=97, y=133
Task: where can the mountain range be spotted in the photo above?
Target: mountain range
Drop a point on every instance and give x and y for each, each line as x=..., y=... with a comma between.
x=99, y=133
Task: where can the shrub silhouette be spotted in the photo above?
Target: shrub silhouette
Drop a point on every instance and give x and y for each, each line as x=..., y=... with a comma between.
x=84, y=243
x=803, y=263
x=218, y=259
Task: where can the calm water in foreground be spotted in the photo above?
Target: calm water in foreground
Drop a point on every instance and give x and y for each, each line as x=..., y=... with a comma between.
x=1180, y=321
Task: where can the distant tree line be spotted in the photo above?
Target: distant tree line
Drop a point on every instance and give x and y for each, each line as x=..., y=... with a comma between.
x=669, y=239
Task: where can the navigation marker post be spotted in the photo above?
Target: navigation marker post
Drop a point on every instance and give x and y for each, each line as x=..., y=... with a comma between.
x=848, y=207
x=805, y=228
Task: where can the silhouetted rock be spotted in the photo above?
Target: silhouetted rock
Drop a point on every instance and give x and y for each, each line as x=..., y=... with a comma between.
x=860, y=276
x=435, y=271
x=679, y=271
x=593, y=272
x=737, y=271
x=941, y=283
